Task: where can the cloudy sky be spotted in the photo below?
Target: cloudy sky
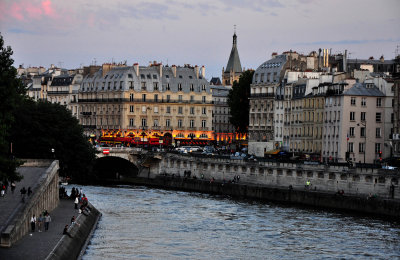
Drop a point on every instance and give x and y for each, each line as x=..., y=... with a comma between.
x=74, y=33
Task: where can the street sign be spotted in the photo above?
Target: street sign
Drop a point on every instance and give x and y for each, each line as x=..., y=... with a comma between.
x=106, y=151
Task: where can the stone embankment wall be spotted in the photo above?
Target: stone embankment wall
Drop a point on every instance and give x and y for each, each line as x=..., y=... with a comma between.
x=354, y=181
x=72, y=245
x=377, y=206
x=46, y=196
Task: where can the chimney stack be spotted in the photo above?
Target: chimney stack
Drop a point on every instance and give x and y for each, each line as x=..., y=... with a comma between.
x=174, y=70
x=203, y=72
x=160, y=67
x=136, y=67
x=196, y=70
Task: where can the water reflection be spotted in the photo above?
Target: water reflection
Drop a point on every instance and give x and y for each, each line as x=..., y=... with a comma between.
x=144, y=223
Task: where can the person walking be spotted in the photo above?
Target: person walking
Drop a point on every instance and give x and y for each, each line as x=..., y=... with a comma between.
x=47, y=220
x=13, y=187
x=40, y=223
x=23, y=192
x=29, y=191
x=76, y=202
x=33, y=223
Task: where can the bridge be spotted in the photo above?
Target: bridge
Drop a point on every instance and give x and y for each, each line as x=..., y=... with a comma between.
x=330, y=178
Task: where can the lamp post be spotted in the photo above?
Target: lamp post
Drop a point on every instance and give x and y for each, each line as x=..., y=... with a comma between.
x=364, y=124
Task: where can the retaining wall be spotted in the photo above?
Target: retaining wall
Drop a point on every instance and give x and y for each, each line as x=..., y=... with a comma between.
x=70, y=246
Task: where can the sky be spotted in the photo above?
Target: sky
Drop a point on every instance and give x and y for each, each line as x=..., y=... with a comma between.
x=75, y=33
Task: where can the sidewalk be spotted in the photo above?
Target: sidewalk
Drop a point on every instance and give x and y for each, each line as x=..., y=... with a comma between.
x=12, y=202
x=38, y=245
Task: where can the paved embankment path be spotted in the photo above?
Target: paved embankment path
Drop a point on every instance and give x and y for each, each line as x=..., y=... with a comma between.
x=38, y=245
x=11, y=203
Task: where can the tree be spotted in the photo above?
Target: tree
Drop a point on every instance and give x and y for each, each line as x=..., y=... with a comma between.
x=42, y=126
x=238, y=102
x=11, y=95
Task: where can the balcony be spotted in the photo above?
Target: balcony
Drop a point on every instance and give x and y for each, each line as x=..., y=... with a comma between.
x=86, y=113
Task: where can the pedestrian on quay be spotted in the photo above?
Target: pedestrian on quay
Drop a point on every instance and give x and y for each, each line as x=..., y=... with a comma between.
x=40, y=223
x=47, y=220
x=76, y=202
x=3, y=189
x=23, y=192
x=33, y=223
x=29, y=191
x=73, y=220
x=13, y=187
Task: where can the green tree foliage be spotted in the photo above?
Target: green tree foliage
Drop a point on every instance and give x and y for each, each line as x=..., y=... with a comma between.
x=238, y=102
x=11, y=96
x=43, y=126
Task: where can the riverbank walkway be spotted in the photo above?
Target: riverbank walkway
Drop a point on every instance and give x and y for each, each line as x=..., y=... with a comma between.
x=35, y=245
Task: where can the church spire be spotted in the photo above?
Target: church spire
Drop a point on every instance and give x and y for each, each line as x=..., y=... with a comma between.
x=234, y=60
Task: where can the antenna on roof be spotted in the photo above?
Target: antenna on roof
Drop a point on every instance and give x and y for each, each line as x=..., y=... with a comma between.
x=234, y=28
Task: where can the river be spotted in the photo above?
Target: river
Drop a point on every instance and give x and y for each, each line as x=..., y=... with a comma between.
x=147, y=223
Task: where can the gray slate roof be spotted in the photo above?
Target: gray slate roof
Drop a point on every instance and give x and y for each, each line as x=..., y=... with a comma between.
x=360, y=89
x=234, y=60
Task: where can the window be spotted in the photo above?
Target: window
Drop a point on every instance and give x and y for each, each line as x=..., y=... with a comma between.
x=131, y=97
x=203, y=110
x=180, y=110
x=191, y=123
x=168, y=98
x=143, y=84
x=155, y=97
x=351, y=132
x=148, y=76
x=362, y=116
x=203, y=99
x=353, y=101
x=155, y=85
x=142, y=76
x=203, y=123
x=154, y=76
x=180, y=98
x=120, y=84
x=363, y=102
x=167, y=123
x=168, y=86
x=180, y=87
x=144, y=97
x=392, y=118
x=144, y=122
x=352, y=116
x=129, y=75
x=131, y=122
x=192, y=110
x=144, y=109
x=362, y=132
x=155, y=122
x=155, y=110
x=203, y=87
x=191, y=98
x=168, y=110
x=351, y=147
x=180, y=123
x=130, y=84
x=377, y=147
x=191, y=87
x=378, y=133
x=131, y=109
x=361, y=147
x=378, y=117
x=378, y=102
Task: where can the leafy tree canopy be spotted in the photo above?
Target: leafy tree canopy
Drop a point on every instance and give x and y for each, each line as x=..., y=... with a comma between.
x=41, y=127
x=238, y=102
x=11, y=96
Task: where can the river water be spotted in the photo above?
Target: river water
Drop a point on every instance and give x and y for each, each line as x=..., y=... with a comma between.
x=146, y=223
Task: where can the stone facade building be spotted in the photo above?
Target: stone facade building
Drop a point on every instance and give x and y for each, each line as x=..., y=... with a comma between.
x=145, y=103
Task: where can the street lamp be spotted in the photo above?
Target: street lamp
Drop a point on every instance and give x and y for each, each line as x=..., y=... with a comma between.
x=364, y=123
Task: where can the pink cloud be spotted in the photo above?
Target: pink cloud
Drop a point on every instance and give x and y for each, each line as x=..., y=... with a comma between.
x=48, y=9
x=16, y=11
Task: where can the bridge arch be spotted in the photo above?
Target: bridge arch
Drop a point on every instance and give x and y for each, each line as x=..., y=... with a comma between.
x=114, y=167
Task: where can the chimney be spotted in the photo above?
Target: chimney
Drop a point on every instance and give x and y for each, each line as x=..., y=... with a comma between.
x=174, y=70
x=319, y=59
x=196, y=70
x=160, y=67
x=345, y=61
x=203, y=72
x=136, y=67
x=382, y=59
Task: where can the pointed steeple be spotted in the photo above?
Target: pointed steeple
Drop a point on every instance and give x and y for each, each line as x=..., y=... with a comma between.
x=234, y=60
